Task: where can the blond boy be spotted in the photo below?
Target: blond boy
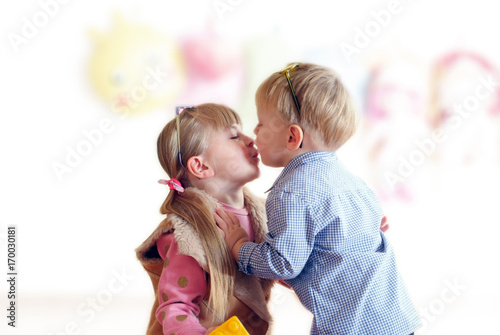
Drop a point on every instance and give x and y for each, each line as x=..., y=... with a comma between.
x=324, y=238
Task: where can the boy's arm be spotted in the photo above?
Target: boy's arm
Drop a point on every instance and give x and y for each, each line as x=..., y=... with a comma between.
x=287, y=246
x=234, y=234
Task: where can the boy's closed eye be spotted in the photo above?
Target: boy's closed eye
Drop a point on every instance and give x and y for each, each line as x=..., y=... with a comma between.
x=257, y=128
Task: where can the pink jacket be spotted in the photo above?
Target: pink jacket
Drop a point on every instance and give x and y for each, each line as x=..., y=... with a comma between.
x=173, y=257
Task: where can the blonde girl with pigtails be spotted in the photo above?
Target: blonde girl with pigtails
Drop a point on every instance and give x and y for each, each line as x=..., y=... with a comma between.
x=196, y=282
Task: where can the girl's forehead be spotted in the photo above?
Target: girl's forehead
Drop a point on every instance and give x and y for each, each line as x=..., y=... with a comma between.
x=227, y=129
x=235, y=126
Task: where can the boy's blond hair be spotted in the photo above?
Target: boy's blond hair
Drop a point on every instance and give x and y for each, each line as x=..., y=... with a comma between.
x=327, y=110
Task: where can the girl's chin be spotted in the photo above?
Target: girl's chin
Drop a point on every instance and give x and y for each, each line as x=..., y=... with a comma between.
x=255, y=176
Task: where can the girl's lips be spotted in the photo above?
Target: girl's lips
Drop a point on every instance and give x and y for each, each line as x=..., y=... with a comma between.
x=255, y=156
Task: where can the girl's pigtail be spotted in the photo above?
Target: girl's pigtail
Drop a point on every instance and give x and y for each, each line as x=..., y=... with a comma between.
x=193, y=207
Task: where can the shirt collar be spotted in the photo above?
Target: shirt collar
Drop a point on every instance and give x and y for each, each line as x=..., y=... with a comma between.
x=304, y=159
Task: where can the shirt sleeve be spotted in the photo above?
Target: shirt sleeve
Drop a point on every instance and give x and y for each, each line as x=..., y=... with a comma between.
x=181, y=289
x=287, y=246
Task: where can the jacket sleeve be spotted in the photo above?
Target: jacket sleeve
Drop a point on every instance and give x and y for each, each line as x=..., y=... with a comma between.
x=181, y=289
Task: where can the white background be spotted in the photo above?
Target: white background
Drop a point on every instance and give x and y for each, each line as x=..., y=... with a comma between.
x=76, y=234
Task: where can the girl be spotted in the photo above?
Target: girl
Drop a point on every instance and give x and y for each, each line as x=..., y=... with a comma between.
x=196, y=282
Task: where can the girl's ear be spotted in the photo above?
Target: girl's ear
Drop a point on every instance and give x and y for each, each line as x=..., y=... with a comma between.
x=196, y=165
x=295, y=137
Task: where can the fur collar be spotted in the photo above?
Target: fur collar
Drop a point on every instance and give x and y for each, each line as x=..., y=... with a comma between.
x=187, y=239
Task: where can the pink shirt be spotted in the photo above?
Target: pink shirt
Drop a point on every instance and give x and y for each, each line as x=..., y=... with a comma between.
x=183, y=283
x=244, y=218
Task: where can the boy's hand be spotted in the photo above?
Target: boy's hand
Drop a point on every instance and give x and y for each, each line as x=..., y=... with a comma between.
x=234, y=234
x=384, y=226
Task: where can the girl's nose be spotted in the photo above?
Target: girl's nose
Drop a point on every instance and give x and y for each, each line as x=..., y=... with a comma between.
x=249, y=141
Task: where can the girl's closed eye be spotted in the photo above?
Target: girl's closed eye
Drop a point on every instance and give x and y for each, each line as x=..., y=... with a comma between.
x=235, y=134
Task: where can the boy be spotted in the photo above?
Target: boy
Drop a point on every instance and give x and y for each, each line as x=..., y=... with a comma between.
x=324, y=237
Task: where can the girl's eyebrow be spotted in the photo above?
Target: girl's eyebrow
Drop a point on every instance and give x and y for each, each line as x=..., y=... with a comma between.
x=236, y=127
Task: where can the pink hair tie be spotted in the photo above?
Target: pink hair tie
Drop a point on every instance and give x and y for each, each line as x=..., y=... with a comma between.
x=173, y=184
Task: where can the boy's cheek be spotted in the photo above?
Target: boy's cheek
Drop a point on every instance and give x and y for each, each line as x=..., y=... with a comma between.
x=265, y=137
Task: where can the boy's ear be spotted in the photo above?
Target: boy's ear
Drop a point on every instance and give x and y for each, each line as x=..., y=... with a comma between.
x=196, y=165
x=295, y=137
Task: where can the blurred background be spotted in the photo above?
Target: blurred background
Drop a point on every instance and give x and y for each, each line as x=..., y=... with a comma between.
x=87, y=87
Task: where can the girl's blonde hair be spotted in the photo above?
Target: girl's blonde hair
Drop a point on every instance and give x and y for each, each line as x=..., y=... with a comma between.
x=327, y=110
x=196, y=126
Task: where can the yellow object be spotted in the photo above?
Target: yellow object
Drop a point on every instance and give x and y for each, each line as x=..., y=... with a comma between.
x=232, y=326
x=135, y=68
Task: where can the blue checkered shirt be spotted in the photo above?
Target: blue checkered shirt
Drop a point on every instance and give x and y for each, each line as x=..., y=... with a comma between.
x=324, y=239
